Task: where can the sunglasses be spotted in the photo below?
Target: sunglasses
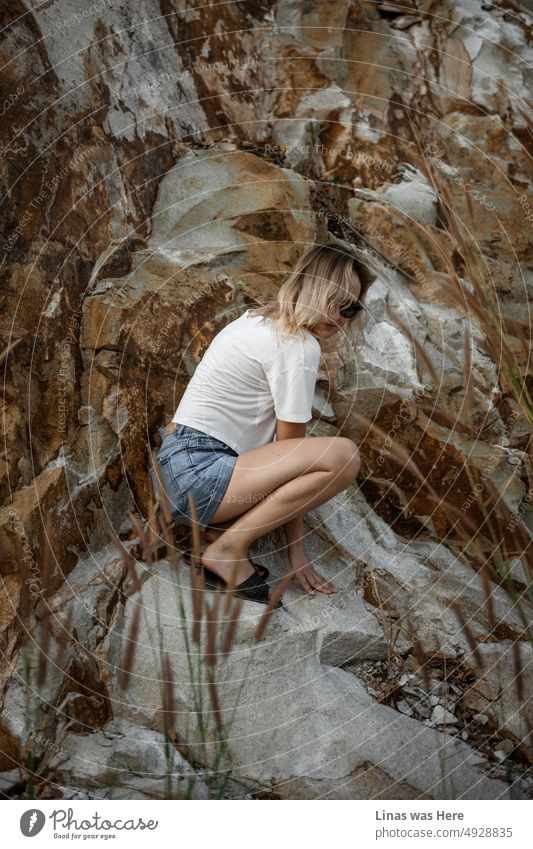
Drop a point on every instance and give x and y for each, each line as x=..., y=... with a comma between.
x=349, y=309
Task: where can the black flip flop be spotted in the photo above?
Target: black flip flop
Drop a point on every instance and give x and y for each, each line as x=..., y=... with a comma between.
x=253, y=588
x=262, y=571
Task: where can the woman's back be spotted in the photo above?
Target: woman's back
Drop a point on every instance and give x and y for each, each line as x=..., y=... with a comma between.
x=248, y=378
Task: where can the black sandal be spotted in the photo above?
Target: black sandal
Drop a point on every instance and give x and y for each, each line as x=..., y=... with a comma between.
x=253, y=588
x=262, y=571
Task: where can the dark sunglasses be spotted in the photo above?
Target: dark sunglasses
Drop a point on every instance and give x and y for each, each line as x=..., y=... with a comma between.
x=350, y=309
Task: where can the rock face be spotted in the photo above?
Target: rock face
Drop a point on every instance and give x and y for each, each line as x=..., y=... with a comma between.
x=162, y=174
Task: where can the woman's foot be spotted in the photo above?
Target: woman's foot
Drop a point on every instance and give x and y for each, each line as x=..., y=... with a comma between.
x=221, y=559
x=211, y=534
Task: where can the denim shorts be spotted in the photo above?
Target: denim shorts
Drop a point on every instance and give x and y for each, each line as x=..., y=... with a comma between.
x=193, y=462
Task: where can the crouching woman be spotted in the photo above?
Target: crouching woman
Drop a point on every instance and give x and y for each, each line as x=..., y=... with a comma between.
x=237, y=442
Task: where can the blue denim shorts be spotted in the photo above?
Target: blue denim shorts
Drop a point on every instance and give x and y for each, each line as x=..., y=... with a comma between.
x=193, y=462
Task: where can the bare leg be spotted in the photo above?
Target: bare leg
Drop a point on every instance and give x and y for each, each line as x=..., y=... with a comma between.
x=214, y=531
x=281, y=480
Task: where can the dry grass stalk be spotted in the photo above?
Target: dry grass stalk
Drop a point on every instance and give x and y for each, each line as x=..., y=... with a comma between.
x=488, y=603
x=213, y=695
x=163, y=526
x=476, y=546
x=483, y=302
x=469, y=204
x=465, y=523
x=195, y=529
x=473, y=533
x=516, y=327
x=374, y=246
x=169, y=699
x=130, y=562
x=467, y=374
x=161, y=496
x=127, y=661
x=46, y=575
x=230, y=587
x=170, y=548
x=152, y=524
x=210, y=655
x=126, y=555
x=473, y=543
x=66, y=637
x=46, y=568
x=419, y=653
x=396, y=453
x=451, y=284
x=197, y=602
x=392, y=487
x=146, y=547
x=386, y=623
x=524, y=546
x=231, y=626
x=11, y=347
x=158, y=529
x=25, y=578
x=272, y=602
x=517, y=669
x=468, y=634
x=196, y=570
x=529, y=463
x=434, y=412
x=496, y=500
x=420, y=352
x=44, y=646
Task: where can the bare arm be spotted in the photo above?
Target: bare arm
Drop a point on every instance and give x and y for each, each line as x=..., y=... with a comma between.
x=306, y=575
x=294, y=529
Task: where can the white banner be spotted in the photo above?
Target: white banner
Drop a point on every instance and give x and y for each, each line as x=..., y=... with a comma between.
x=299, y=824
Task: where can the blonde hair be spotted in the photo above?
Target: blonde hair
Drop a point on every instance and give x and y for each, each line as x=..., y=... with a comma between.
x=322, y=279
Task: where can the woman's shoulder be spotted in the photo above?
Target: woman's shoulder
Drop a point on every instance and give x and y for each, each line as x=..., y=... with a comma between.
x=285, y=343
x=313, y=351
x=312, y=342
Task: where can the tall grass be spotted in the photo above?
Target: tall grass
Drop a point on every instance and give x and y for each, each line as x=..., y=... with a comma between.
x=34, y=625
x=215, y=617
x=490, y=537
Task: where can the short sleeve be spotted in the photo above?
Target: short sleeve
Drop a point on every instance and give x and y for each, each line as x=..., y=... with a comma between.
x=292, y=376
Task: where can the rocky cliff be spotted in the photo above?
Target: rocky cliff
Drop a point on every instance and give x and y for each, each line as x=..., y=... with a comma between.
x=163, y=166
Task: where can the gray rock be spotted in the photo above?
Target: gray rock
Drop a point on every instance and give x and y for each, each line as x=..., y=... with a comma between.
x=123, y=761
x=496, y=691
x=294, y=716
x=441, y=716
x=414, y=197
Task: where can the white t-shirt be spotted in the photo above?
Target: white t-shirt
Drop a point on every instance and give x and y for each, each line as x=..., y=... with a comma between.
x=248, y=378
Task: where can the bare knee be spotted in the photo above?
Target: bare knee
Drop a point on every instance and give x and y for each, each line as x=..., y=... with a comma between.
x=347, y=460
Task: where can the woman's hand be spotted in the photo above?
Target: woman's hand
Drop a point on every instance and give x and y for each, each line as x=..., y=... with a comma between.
x=309, y=578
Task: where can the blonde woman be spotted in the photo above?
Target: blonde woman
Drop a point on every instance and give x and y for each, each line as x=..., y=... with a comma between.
x=237, y=440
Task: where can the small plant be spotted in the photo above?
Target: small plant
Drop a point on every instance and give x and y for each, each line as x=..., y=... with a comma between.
x=314, y=128
x=392, y=626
